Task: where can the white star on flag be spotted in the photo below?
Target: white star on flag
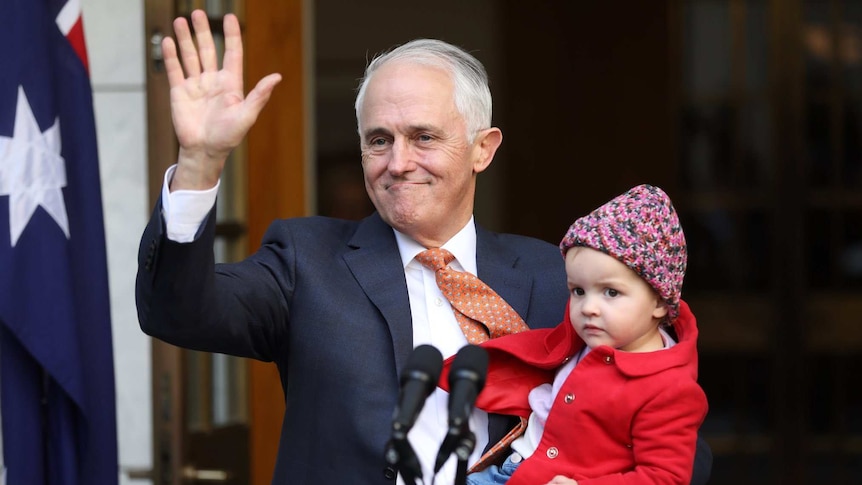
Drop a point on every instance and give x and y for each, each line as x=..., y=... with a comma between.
x=32, y=172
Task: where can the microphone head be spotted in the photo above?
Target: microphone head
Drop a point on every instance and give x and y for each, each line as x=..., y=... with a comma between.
x=424, y=364
x=471, y=362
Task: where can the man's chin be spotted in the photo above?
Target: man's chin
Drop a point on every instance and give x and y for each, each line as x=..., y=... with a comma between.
x=401, y=220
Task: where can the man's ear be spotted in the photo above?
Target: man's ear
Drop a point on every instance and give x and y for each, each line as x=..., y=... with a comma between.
x=486, y=144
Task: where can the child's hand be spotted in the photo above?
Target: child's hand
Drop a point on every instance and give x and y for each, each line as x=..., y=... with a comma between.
x=561, y=480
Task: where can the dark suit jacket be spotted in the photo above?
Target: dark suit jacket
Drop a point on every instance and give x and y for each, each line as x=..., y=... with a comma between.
x=326, y=300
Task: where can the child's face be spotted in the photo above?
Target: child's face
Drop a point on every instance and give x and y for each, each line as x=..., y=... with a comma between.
x=610, y=304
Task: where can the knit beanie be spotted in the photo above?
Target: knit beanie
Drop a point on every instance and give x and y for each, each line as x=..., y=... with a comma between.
x=641, y=229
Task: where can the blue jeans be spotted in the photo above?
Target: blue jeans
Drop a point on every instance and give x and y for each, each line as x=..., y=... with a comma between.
x=496, y=475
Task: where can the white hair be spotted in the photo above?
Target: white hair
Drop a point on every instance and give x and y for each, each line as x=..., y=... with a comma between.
x=471, y=92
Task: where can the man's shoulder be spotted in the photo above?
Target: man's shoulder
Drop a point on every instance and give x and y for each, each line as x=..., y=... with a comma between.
x=316, y=223
x=319, y=233
x=524, y=246
x=510, y=237
x=311, y=230
x=527, y=241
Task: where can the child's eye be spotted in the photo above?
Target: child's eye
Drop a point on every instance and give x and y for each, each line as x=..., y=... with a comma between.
x=611, y=292
x=578, y=291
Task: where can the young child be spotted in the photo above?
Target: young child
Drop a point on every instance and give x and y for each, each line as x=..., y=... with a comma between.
x=610, y=395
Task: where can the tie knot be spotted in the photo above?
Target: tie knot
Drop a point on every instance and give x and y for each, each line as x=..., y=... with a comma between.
x=435, y=258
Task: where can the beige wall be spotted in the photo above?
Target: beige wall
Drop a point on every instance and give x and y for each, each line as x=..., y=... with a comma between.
x=115, y=43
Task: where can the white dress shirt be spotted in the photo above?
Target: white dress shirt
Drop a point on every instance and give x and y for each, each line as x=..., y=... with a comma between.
x=434, y=322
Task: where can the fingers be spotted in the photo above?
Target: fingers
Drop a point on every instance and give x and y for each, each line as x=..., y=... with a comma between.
x=232, y=46
x=258, y=97
x=198, y=56
x=206, y=47
x=172, y=65
x=194, y=57
x=187, y=47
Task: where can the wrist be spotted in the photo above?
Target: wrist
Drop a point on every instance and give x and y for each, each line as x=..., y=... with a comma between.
x=196, y=172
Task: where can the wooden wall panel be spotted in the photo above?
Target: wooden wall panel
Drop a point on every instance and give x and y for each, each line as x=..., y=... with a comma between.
x=276, y=177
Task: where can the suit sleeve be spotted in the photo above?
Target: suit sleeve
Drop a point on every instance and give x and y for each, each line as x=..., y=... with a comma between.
x=702, y=462
x=185, y=299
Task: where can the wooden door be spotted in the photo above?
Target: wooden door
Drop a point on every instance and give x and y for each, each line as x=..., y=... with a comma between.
x=216, y=419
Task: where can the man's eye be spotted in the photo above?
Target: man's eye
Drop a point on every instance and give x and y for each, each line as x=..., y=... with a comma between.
x=424, y=137
x=378, y=142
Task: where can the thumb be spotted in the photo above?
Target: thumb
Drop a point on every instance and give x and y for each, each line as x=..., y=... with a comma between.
x=259, y=96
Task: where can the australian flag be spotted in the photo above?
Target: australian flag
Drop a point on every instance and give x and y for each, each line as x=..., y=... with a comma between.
x=56, y=360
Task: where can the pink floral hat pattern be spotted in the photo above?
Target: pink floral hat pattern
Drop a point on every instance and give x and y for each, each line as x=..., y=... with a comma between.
x=640, y=228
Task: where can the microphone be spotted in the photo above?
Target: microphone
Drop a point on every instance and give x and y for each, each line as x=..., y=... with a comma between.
x=419, y=379
x=466, y=380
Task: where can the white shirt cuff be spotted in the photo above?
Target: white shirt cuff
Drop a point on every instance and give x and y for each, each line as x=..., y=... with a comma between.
x=185, y=210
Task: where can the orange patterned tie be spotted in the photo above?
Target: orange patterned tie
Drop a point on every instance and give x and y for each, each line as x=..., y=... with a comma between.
x=479, y=310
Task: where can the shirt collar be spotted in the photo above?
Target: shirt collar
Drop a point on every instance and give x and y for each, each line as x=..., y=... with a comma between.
x=462, y=245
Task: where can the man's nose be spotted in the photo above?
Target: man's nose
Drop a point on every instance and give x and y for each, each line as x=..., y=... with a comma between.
x=401, y=157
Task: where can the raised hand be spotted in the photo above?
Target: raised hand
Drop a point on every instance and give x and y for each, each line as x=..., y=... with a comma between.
x=210, y=112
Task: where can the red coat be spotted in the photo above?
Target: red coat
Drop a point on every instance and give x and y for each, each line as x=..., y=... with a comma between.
x=619, y=418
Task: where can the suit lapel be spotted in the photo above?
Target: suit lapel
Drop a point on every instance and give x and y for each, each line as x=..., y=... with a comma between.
x=376, y=265
x=496, y=266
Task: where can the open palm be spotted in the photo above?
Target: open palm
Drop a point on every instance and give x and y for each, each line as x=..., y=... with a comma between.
x=211, y=115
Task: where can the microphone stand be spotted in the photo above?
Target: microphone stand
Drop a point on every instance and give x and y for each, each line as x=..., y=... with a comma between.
x=400, y=455
x=461, y=441
x=463, y=451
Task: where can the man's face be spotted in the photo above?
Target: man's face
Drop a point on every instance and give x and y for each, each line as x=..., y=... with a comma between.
x=420, y=170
